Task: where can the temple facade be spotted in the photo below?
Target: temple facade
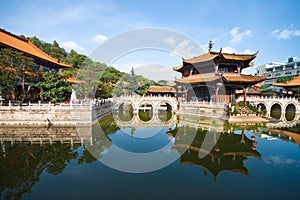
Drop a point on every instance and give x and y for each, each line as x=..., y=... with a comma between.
x=215, y=76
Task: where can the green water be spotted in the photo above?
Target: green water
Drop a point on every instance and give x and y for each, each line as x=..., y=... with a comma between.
x=210, y=159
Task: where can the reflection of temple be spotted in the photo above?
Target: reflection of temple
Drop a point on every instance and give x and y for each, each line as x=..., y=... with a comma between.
x=215, y=76
x=229, y=152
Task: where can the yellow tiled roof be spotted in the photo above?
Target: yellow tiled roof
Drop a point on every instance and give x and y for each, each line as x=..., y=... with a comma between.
x=241, y=78
x=26, y=46
x=161, y=89
x=199, y=78
x=212, y=55
x=292, y=83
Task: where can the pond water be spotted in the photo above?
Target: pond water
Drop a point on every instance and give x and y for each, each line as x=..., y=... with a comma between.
x=197, y=157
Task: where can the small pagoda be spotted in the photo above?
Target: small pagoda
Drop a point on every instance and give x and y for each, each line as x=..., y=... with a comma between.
x=215, y=76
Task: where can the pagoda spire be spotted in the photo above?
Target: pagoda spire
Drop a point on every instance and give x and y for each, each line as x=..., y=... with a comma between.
x=210, y=46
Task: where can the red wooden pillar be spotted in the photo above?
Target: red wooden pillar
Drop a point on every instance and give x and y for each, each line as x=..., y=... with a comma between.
x=245, y=94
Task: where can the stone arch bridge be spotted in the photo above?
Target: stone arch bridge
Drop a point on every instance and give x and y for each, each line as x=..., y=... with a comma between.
x=155, y=121
x=141, y=102
x=268, y=103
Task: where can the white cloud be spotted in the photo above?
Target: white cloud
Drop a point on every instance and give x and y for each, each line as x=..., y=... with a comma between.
x=170, y=41
x=237, y=36
x=228, y=50
x=73, y=45
x=285, y=33
x=184, y=49
x=297, y=32
x=100, y=38
x=156, y=72
x=277, y=160
x=248, y=51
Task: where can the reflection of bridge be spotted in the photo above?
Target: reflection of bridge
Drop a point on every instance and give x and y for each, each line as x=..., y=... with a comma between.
x=269, y=102
x=155, y=121
x=43, y=135
x=138, y=101
x=284, y=123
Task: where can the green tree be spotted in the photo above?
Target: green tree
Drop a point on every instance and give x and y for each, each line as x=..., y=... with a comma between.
x=104, y=91
x=20, y=71
x=55, y=88
x=284, y=79
x=162, y=82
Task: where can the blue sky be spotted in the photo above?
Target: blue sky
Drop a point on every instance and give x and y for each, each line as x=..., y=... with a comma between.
x=270, y=27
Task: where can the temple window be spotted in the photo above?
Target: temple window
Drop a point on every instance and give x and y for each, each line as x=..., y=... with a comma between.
x=227, y=68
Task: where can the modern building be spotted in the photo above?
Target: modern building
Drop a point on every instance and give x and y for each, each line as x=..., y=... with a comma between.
x=274, y=70
x=215, y=76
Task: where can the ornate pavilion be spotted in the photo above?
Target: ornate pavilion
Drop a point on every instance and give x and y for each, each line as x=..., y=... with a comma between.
x=215, y=76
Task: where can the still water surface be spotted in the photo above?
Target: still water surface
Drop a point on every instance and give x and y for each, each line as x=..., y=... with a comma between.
x=246, y=162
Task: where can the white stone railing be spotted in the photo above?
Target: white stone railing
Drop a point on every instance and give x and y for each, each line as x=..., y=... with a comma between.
x=139, y=98
x=250, y=98
x=56, y=106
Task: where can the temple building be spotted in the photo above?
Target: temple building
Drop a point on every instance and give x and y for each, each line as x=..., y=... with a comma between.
x=215, y=76
x=154, y=90
x=43, y=61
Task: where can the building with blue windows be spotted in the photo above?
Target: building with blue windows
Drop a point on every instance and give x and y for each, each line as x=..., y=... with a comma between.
x=274, y=70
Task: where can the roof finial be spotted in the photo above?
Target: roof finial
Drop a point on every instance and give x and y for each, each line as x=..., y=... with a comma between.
x=210, y=46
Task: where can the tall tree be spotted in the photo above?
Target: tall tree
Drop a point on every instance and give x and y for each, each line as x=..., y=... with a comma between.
x=20, y=68
x=55, y=88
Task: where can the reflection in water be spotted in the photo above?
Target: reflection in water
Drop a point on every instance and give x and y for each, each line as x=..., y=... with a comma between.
x=145, y=115
x=290, y=112
x=276, y=111
x=164, y=115
x=22, y=165
x=23, y=162
x=229, y=153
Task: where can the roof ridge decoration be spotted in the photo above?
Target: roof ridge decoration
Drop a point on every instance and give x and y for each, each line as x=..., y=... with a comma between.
x=212, y=55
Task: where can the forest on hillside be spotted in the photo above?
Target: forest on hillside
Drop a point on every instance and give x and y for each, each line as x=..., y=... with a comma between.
x=103, y=81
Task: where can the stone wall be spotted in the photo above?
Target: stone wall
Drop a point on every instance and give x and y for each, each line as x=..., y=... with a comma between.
x=207, y=109
x=53, y=116
x=35, y=117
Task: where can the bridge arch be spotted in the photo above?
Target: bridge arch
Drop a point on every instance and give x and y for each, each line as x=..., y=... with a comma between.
x=261, y=106
x=137, y=101
x=168, y=104
x=290, y=111
x=276, y=110
x=145, y=102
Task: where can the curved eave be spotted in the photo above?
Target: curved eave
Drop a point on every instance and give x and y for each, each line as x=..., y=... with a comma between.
x=246, y=79
x=178, y=68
